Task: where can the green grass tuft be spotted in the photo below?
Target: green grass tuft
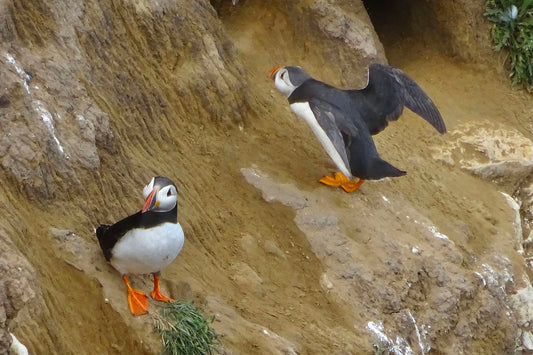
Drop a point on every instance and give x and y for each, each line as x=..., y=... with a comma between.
x=512, y=30
x=184, y=330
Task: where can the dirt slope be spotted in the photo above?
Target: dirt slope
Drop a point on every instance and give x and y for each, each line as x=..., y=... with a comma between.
x=176, y=88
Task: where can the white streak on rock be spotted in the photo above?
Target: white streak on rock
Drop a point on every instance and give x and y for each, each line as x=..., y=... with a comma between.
x=397, y=347
x=25, y=77
x=420, y=336
x=48, y=120
x=436, y=233
x=479, y=276
x=289, y=349
x=38, y=106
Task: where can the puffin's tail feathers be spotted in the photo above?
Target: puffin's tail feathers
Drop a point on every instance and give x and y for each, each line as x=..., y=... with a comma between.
x=380, y=169
x=365, y=162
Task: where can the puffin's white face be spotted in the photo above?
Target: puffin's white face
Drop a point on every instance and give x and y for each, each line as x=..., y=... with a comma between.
x=159, y=198
x=283, y=82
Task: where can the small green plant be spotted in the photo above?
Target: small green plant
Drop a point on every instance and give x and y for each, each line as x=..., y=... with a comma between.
x=184, y=330
x=512, y=30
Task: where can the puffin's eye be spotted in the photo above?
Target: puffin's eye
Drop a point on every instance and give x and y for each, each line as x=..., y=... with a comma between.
x=169, y=193
x=282, y=75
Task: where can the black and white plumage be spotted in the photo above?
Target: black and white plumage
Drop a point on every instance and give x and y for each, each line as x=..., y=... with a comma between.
x=147, y=241
x=345, y=120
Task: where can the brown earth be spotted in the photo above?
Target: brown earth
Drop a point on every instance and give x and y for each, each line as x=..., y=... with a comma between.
x=181, y=90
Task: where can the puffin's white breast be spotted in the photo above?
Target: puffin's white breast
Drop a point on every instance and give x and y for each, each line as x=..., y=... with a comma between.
x=144, y=251
x=303, y=110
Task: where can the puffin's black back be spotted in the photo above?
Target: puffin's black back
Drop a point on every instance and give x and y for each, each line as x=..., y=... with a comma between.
x=109, y=235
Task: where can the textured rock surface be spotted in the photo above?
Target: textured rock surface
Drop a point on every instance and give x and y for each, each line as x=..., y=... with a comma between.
x=522, y=305
x=501, y=155
x=338, y=33
x=73, y=74
x=493, y=153
x=416, y=285
x=19, y=290
x=350, y=26
x=98, y=96
x=524, y=194
x=51, y=123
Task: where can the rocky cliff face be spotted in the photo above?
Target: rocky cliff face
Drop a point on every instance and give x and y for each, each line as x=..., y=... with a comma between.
x=96, y=97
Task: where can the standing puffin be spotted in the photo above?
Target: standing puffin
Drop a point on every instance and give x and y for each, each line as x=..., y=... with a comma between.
x=345, y=120
x=145, y=242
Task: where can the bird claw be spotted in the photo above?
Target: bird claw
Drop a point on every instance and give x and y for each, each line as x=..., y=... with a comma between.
x=327, y=180
x=341, y=180
x=157, y=295
x=138, y=302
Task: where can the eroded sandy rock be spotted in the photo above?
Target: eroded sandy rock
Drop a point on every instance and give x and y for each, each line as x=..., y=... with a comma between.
x=18, y=287
x=524, y=194
x=51, y=122
x=494, y=153
x=498, y=154
x=345, y=26
x=522, y=305
x=339, y=31
x=57, y=120
x=100, y=94
x=416, y=287
x=347, y=23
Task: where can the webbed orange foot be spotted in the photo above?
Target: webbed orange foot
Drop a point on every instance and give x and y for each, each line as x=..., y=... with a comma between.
x=341, y=180
x=328, y=180
x=351, y=186
x=137, y=300
x=156, y=293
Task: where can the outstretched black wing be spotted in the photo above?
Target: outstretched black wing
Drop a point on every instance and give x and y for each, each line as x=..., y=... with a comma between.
x=388, y=91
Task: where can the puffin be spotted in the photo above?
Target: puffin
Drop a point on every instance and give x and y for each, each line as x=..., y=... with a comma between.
x=145, y=242
x=344, y=121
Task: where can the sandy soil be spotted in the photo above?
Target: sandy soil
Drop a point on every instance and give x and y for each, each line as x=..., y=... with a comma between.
x=229, y=227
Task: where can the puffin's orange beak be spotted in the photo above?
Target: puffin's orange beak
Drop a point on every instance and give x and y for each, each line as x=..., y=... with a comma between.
x=150, y=202
x=273, y=71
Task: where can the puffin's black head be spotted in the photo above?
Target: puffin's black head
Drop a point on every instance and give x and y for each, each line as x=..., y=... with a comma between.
x=287, y=79
x=161, y=195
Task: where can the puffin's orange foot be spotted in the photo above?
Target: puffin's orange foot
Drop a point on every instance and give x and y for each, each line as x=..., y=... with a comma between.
x=327, y=180
x=341, y=180
x=138, y=302
x=351, y=186
x=156, y=293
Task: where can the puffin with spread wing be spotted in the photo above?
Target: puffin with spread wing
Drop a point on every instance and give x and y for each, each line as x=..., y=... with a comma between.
x=345, y=120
